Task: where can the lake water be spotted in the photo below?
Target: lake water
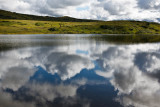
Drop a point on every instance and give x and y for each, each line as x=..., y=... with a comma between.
x=77, y=71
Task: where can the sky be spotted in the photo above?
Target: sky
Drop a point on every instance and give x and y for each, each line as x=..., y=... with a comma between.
x=146, y=10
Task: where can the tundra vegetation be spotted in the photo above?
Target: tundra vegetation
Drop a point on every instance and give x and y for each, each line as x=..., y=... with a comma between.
x=10, y=26
x=15, y=23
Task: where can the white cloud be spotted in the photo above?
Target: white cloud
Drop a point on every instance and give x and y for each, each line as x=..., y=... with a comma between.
x=96, y=9
x=50, y=92
x=16, y=77
x=118, y=7
x=66, y=65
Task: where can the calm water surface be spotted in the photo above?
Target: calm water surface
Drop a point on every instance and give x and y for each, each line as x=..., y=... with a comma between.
x=75, y=71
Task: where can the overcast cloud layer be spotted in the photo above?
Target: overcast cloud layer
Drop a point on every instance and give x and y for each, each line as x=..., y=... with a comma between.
x=148, y=10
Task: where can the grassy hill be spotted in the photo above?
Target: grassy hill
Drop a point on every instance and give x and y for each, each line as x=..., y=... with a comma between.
x=14, y=23
x=12, y=15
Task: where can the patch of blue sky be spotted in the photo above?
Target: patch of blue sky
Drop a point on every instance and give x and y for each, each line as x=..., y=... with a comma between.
x=97, y=67
x=82, y=8
x=82, y=52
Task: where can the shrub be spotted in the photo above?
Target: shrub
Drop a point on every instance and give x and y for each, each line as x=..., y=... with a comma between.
x=52, y=29
x=111, y=27
x=145, y=31
x=104, y=26
x=39, y=24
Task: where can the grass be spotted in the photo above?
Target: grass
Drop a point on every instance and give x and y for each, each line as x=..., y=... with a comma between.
x=11, y=26
x=13, y=15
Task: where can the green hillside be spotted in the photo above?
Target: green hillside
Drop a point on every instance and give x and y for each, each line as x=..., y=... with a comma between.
x=12, y=15
x=14, y=23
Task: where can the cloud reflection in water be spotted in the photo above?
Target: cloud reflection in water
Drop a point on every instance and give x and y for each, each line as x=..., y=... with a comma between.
x=117, y=75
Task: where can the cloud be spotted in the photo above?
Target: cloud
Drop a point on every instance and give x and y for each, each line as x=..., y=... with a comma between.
x=144, y=91
x=136, y=88
x=7, y=101
x=18, y=66
x=124, y=79
x=149, y=4
x=88, y=9
x=148, y=62
x=66, y=65
x=64, y=3
x=14, y=69
x=67, y=94
x=133, y=70
x=53, y=60
x=16, y=77
x=49, y=92
x=117, y=7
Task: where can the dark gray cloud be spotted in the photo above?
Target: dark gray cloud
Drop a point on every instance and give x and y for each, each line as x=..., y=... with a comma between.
x=6, y=100
x=148, y=62
x=124, y=78
x=149, y=4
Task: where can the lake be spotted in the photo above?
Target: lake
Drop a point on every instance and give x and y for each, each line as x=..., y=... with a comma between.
x=78, y=71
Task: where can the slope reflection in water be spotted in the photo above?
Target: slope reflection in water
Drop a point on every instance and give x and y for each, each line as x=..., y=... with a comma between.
x=81, y=73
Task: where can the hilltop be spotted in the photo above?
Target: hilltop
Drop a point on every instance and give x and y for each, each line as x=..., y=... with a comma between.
x=15, y=23
x=13, y=15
